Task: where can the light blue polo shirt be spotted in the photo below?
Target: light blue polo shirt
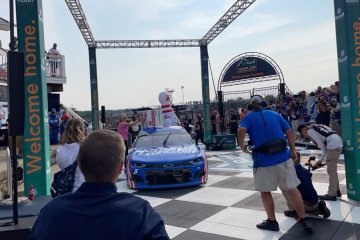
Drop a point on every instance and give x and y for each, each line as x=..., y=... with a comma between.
x=261, y=131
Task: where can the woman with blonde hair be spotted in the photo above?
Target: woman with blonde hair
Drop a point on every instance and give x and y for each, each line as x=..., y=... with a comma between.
x=67, y=154
x=123, y=129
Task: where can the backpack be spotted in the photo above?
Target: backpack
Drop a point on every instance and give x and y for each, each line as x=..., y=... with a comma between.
x=323, y=130
x=64, y=181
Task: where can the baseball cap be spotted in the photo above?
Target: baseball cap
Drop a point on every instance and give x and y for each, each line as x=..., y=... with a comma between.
x=257, y=98
x=53, y=110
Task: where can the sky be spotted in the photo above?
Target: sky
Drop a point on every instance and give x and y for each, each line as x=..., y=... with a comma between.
x=298, y=35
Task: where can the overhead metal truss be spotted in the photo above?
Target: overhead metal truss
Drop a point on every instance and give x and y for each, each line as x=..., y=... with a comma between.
x=76, y=10
x=80, y=19
x=239, y=7
x=147, y=43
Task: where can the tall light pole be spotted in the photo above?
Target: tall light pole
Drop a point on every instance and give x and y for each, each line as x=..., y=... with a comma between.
x=182, y=91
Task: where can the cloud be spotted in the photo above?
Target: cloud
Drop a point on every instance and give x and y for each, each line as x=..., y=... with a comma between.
x=299, y=38
x=259, y=24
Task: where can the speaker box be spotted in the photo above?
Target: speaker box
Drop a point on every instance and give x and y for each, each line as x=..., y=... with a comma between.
x=16, y=90
x=103, y=114
x=53, y=101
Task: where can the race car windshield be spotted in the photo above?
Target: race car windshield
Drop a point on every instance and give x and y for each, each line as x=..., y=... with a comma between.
x=157, y=139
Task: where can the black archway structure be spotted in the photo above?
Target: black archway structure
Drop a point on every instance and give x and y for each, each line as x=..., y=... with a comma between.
x=245, y=69
x=77, y=12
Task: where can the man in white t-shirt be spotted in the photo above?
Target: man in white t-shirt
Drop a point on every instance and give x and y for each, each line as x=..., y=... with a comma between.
x=53, y=58
x=331, y=145
x=53, y=50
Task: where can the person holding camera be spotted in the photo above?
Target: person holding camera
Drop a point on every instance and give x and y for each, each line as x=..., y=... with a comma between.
x=273, y=166
x=331, y=145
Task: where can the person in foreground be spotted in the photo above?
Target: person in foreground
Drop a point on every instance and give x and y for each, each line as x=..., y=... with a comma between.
x=312, y=204
x=271, y=159
x=96, y=210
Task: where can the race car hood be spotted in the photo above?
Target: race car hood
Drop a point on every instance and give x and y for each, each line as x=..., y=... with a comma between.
x=168, y=154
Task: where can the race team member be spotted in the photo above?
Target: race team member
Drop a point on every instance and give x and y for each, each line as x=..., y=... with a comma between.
x=272, y=164
x=331, y=145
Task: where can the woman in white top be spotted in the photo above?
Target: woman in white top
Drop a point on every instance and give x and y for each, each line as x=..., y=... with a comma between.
x=66, y=155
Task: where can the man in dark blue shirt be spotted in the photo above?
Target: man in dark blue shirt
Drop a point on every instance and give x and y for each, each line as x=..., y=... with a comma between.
x=96, y=210
x=308, y=193
x=272, y=164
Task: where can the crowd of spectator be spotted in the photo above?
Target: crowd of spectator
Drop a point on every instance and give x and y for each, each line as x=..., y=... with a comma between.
x=321, y=106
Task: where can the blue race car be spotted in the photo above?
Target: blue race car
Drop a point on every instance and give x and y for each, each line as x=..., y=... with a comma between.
x=165, y=158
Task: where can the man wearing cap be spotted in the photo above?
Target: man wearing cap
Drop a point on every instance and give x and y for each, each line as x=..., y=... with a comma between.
x=273, y=166
x=331, y=145
x=54, y=124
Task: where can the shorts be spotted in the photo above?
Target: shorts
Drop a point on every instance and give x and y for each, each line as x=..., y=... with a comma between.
x=282, y=175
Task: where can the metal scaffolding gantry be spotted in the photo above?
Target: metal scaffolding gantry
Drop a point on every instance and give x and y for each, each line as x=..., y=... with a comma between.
x=77, y=12
x=147, y=43
x=80, y=19
x=235, y=10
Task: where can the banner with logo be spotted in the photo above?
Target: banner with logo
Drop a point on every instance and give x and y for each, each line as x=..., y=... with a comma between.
x=347, y=18
x=36, y=150
x=247, y=68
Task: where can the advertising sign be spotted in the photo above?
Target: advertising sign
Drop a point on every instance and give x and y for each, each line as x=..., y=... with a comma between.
x=36, y=148
x=347, y=19
x=247, y=68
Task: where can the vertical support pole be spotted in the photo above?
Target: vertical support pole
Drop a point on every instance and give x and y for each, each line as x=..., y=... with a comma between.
x=204, y=58
x=94, y=89
x=347, y=21
x=14, y=156
x=36, y=147
x=221, y=110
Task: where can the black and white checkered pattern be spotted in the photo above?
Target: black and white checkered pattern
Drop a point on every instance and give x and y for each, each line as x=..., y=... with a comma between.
x=228, y=207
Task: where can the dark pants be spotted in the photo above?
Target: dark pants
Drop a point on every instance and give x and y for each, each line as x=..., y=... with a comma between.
x=199, y=135
x=126, y=153
x=213, y=130
x=234, y=131
x=126, y=148
x=54, y=136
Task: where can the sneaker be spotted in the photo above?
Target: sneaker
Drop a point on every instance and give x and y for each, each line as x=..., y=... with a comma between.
x=338, y=193
x=327, y=197
x=269, y=225
x=290, y=213
x=306, y=225
x=323, y=210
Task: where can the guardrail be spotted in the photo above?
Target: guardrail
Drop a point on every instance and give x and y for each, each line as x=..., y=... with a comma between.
x=55, y=66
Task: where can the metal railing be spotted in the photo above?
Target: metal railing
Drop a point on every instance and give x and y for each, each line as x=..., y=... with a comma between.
x=55, y=66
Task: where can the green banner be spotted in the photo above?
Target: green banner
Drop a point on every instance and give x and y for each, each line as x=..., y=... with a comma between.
x=204, y=57
x=94, y=89
x=36, y=150
x=347, y=18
